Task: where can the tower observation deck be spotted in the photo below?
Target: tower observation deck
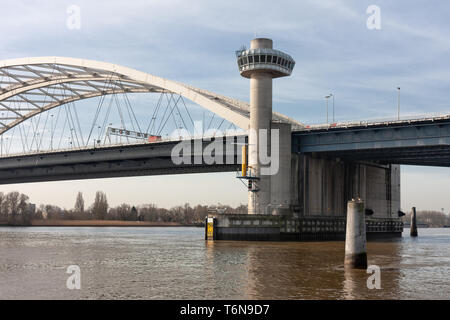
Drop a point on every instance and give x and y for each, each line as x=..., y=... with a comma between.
x=275, y=62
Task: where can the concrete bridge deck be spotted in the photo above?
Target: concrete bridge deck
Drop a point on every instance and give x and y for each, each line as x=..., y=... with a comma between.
x=113, y=161
x=424, y=141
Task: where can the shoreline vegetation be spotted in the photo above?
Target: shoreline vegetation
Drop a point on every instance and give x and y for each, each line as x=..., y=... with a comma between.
x=16, y=210
x=102, y=223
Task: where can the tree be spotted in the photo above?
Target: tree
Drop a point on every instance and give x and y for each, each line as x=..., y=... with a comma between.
x=434, y=219
x=79, y=203
x=15, y=207
x=100, y=206
x=123, y=212
x=3, y=207
x=134, y=214
x=12, y=203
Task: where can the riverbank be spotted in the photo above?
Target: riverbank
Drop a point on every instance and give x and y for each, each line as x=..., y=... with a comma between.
x=102, y=223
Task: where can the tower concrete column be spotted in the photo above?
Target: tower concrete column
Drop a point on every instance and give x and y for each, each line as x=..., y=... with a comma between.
x=261, y=63
x=260, y=118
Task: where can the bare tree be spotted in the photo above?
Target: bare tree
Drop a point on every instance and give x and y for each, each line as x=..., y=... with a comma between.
x=123, y=211
x=100, y=206
x=133, y=214
x=79, y=203
x=15, y=207
x=3, y=210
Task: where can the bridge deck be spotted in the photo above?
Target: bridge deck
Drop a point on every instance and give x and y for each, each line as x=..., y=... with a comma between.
x=415, y=142
x=115, y=161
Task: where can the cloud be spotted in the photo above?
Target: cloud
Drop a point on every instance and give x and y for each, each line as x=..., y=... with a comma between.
x=194, y=42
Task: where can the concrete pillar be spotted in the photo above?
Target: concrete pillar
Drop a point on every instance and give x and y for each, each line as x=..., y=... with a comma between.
x=281, y=181
x=413, y=231
x=355, y=236
x=261, y=63
x=260, y=119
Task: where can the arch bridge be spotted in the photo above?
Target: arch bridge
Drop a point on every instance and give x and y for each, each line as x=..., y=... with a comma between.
x=326, y=165
x=30, y=86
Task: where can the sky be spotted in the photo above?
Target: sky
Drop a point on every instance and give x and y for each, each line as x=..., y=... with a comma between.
x=194, y=42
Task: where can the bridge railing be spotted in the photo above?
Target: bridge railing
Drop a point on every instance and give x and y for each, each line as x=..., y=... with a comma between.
x=378, y=122
x=231, y=133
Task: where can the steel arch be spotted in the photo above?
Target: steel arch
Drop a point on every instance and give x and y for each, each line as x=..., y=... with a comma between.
x=23, y=81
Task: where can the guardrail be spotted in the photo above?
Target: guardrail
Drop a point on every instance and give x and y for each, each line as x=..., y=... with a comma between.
x=121, y=144
x=377, y=122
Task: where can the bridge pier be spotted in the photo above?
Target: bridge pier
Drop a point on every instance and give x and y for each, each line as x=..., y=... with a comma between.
x=319, y=189
x=413, y=230
x=280, y=198
x=304, y=197
x=355, y=236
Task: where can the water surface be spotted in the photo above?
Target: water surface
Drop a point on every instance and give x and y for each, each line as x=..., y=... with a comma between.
x=176, y=263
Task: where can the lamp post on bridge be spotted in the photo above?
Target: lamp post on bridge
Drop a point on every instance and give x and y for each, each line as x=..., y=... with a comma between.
x=51, y=133
x=37, y=141
x=328, y=97
x=333, y=106
x=398, y=104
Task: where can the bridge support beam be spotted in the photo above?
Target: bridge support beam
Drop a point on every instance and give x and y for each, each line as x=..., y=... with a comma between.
x=280, y=203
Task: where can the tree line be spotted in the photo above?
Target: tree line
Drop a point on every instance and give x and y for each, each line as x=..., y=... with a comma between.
x=15, y=209
x=434, y=219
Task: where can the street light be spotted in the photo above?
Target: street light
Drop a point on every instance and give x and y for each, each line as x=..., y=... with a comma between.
x=6, y=145
x=51, y=133
x=38, y=142
x=332, y=95
x=328, y=97
x=398, y=101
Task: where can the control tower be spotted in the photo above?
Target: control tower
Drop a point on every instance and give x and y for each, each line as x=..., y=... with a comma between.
x=261, y=63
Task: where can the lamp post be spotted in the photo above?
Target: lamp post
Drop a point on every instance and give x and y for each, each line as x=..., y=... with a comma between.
x=398, y=104
x=38, y=142
x=51, y=133
x=328, y=97
x=332, y=95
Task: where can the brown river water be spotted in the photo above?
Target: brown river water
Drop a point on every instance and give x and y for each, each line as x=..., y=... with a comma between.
x=176, y=263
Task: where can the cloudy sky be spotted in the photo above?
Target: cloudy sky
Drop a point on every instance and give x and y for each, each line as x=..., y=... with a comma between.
x=194, y=42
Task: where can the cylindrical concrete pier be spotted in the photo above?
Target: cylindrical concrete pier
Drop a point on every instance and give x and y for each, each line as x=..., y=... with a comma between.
x=260, y=119
x=261, y=63
x=355, y=236
x=413, y=231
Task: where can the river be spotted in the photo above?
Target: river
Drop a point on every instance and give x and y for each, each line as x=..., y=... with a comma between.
x=176, y=263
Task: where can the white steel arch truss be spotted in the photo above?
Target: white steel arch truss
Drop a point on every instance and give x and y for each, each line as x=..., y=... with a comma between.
x=30, y=86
